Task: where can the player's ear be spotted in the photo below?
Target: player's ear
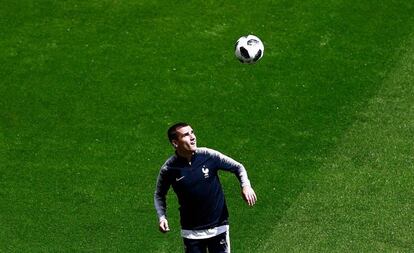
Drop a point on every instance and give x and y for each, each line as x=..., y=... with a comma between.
x=174, y=143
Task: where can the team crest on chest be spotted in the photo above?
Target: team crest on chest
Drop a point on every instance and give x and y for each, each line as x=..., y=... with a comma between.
x=205, y=171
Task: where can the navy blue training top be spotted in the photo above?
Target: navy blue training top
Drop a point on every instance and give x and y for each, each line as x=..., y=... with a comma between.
x=198, y=188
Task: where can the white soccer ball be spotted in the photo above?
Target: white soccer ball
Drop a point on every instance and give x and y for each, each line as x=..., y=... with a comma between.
x=249, y=49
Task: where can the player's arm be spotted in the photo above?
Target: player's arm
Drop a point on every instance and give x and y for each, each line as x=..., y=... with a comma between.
x=160, y=201
x=229, y=164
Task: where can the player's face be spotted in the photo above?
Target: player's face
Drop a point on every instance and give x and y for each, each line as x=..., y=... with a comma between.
x=186, y=140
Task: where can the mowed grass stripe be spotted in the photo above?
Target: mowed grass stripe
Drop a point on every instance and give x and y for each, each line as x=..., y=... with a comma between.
x=362, y=198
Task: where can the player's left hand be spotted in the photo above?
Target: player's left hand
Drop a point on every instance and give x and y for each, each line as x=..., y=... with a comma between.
x=249, y=195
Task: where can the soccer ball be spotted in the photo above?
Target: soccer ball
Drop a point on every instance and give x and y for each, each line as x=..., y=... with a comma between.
x=249, y=49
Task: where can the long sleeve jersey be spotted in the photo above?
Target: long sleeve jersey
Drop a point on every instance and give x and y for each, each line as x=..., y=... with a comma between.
x=201, y=199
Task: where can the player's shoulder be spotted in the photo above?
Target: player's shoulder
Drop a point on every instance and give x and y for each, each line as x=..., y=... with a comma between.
x=207, y=151
x=169, y=163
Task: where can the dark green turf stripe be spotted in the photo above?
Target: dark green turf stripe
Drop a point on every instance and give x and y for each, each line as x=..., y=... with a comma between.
x=362, y=197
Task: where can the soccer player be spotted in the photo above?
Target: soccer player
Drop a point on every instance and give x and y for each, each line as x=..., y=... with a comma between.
x=193, y=174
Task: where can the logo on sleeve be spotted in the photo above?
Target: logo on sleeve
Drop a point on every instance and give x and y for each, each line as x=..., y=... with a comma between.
x=205, y=171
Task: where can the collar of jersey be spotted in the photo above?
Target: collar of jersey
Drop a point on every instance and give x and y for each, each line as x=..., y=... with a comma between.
x=184, y=160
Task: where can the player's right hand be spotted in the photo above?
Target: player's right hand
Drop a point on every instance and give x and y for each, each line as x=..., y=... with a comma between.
x=164, y=228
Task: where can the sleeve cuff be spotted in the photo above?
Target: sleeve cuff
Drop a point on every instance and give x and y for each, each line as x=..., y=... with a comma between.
x=162, y=218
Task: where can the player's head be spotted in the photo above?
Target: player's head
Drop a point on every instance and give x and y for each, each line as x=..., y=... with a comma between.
x=172, y=131
x=182, y=137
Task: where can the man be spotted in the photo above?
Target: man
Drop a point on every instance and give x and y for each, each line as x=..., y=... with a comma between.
x=193, y=174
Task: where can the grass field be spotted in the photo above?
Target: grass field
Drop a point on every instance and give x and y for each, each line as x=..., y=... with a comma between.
x=323, y=123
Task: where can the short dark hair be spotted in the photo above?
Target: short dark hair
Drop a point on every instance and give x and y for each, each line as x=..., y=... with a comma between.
x=172, y=131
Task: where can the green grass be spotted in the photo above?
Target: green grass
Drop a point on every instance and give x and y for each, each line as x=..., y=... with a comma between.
x=361, y=199
x=89, y=87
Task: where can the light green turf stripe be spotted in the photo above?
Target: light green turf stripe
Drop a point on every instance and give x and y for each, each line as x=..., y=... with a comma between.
x=362, y=199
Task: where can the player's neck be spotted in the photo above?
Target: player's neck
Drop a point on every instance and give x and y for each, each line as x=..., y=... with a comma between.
x=188, y=155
